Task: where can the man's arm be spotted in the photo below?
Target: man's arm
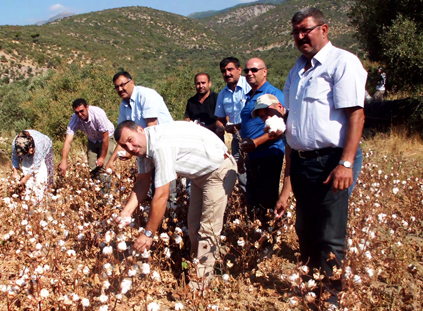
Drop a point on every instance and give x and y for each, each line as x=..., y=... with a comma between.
x=63, y=166
x=104, y=148
x=151, y=121
x=155, y=217
x=138, y=194
x=341, y=176
x=249, y=144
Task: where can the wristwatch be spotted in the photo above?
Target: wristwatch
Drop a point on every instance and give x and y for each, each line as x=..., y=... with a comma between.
x=347, y=164
x=148, y=233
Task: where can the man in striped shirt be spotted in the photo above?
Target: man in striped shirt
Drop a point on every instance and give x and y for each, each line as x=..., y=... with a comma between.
x=94, y=123
x=185, y=149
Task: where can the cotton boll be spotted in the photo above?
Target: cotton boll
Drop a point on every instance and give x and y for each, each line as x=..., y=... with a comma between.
x=156, y=276
x=126, y=285
x=122, y=153
x=85, y=302
x=153, y=306
x=44, y=293
x=179, y=306
x=275, y=124
x=103, y=298
x=145, y=268
x=108, y=250
x=122, y=246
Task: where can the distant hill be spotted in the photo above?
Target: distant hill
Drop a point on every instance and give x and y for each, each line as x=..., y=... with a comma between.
x=205, y=14
x=56, y=17
x=154, y=43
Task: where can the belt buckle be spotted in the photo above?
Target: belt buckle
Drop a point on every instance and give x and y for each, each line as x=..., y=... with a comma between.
x=299, y=154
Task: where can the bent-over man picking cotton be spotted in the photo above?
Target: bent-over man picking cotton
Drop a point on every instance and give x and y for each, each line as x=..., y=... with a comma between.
x=191, y=151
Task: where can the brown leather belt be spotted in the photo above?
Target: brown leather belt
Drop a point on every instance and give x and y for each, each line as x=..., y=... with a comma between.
x=226, y=155
x=309, y=154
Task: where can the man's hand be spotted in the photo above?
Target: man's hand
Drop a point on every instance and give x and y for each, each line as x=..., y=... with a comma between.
x=124, y=218
x=220, y=131
x=100, y=161
x=248, y=145
x=109, y=167
x=230, y=128
x=342, y=178
x=273, y=135
x=63, y=166
x=280, y=208
x=240, y=163
x=143, y=243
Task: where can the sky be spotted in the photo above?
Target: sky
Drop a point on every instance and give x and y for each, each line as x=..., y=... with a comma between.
x=28, y=12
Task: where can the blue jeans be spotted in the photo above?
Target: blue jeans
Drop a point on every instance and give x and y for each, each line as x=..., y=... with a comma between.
x=358, y=162
x=322, y=214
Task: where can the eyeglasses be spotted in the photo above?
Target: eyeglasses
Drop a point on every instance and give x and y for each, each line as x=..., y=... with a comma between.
x=253, y=70
x=122, y=85
x=304, y=31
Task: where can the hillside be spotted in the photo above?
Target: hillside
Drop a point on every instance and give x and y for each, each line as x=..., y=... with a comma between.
x=150, y=40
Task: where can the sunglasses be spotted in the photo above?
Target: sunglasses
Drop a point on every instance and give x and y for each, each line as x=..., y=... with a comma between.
x=253, y=70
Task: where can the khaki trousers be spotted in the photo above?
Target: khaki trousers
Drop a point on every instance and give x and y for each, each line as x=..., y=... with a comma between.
x=209, y=197
x=94, y=152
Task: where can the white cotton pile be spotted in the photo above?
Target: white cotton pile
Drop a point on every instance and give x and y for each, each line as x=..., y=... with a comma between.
x=275, y=124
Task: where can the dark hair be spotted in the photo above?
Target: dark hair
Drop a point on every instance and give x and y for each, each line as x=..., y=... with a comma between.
x=78, y=102
x=228, y=60
x=125, y=124
x=302, y=14
x=122, y=73
x=202, y=74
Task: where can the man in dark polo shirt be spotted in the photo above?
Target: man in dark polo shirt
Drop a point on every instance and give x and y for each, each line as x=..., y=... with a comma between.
x=202, y=105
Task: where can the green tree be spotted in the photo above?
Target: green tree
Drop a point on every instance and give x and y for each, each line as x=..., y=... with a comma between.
x=390, y=32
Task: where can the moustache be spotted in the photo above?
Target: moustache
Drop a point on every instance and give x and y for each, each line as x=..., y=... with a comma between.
x=303, y=41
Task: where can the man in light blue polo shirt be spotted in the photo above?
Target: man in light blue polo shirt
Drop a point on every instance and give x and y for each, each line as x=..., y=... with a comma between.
x=265, y=154
x=140, y=104
x=230, y=102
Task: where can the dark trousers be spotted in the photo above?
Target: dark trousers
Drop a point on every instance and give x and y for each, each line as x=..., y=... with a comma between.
x=263, y=178
x=322, y=215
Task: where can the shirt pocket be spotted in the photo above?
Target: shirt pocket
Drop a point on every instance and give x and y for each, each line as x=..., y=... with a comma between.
x=317, y=90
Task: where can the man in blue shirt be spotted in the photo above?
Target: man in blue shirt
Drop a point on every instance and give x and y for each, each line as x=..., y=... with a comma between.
x=230, y=101
x=265, y=154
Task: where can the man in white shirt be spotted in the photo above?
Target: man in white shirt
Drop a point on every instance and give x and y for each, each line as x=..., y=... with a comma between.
x=192, y=151
x=324, y=94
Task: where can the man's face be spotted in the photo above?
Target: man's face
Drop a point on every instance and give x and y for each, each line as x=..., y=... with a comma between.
x=273, y=110
x=309, y=40
x=133, y=142
x=258, y=78
x=124, y=87
x=202, y=84
x=230, y=73
x=81, y=112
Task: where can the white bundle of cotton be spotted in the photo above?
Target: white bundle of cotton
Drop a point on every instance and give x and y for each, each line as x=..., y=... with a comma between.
x=275, y=124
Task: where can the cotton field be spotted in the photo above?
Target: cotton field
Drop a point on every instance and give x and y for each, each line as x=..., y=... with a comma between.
x=68, y=252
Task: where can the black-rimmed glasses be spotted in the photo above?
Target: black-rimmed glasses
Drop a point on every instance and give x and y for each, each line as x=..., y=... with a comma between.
x=304, y=31
x=122, y=85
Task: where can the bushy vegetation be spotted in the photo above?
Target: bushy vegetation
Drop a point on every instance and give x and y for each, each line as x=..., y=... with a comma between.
x=390, y=32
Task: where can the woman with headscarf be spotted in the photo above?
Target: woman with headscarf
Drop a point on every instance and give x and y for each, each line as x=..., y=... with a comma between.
x=34, y=151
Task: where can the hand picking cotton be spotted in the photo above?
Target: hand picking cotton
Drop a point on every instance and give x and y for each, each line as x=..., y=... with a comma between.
x=275, y=124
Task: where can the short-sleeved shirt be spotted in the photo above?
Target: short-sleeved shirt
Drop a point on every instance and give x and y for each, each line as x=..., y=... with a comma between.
x=202, y=111
x=230, y=103
x=182, y=148
x=43, y=146
x=316, y=98
x=144, y=103
x=254, y=127
x=96, y=125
